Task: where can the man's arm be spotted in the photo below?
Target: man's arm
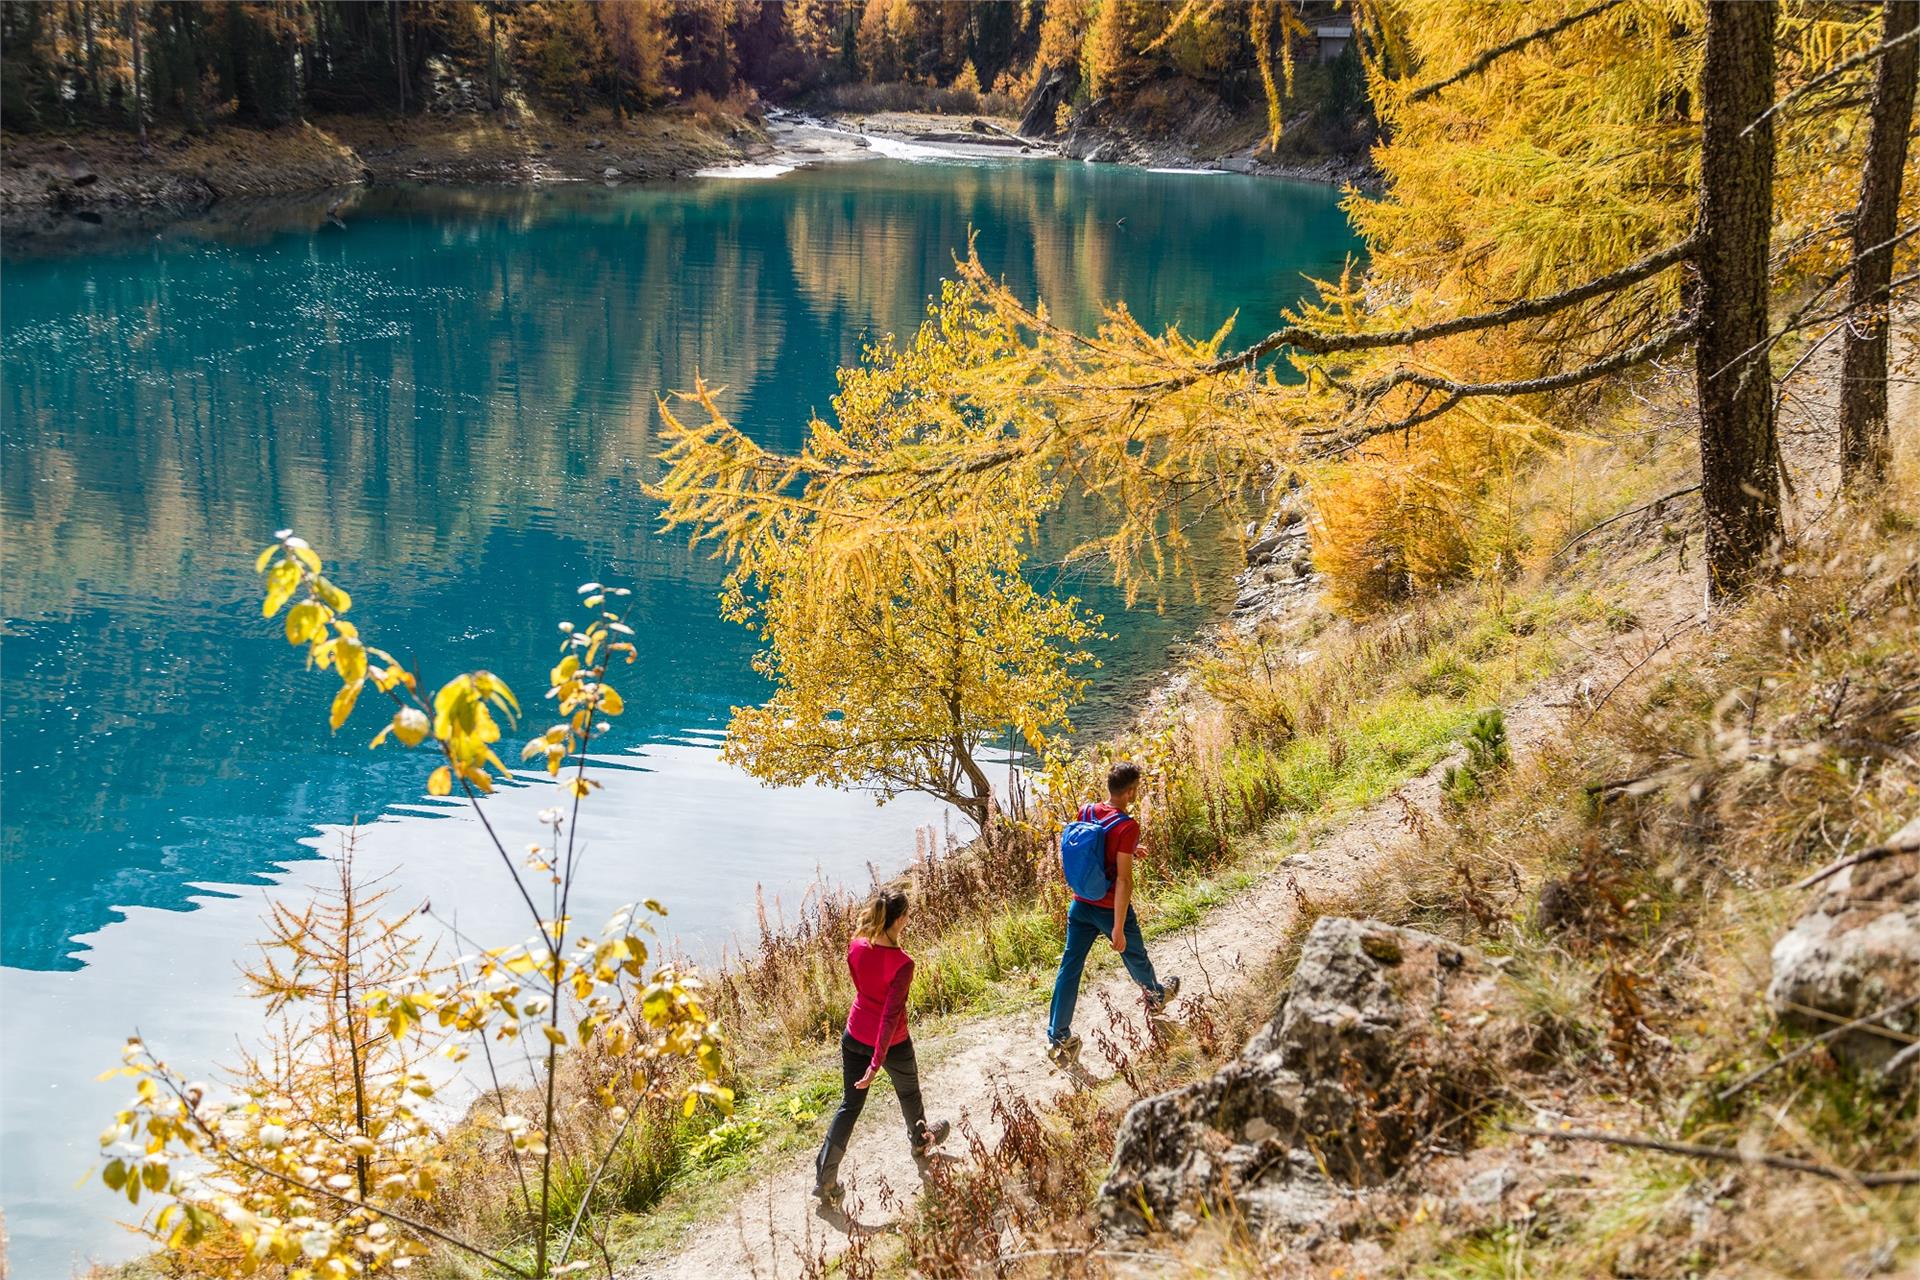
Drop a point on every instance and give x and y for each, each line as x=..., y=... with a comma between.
x=1122, y=897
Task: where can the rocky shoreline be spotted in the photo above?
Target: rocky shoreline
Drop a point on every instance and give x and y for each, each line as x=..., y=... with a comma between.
x=983, y=135
x=56, y=184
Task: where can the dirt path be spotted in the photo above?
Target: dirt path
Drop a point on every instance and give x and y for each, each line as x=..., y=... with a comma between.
x=776, y=1223
x=775, y=1226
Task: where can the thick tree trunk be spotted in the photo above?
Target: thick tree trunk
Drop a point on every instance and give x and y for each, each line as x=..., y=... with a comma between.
x=1739, y=456
x=1863, y=365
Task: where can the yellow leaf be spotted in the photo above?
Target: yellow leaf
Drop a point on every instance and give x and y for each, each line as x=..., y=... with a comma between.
x=343, y=702
x=410, y=725
x=554, y=1035
x=610, y=702
x=440, y=782
x=569, y=665
x=379, y=737
x=338, y=600
x=281, y=582
x=350, y=659
x=305, y=621
x=264, y=558
x=306, y=553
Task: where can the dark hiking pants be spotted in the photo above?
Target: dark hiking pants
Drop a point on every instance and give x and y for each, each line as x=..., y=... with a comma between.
x=905, y=1075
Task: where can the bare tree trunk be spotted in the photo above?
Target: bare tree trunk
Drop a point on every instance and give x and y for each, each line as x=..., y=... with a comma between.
x=399, y=51
x=978, y=806
x=1739, y=455
x=1863, y=365
x=139, y=89
x=493, y=54
x=93, y=58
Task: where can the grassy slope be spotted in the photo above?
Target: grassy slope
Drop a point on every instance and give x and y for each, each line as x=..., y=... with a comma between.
x=1631, y=1009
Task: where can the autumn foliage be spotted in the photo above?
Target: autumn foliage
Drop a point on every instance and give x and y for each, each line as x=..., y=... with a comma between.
x=321, y=1156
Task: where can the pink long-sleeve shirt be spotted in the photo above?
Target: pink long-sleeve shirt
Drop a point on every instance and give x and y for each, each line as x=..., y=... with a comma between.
x=881, y=979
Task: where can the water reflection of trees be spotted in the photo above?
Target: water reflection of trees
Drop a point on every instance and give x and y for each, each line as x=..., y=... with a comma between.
x=455, y=395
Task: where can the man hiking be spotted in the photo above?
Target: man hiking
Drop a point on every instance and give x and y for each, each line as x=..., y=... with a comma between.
x=1096, y=854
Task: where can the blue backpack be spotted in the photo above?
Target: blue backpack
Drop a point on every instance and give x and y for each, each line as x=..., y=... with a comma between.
x=1083, y=854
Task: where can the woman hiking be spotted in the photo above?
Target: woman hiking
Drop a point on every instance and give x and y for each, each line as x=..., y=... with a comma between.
x=876, y=1036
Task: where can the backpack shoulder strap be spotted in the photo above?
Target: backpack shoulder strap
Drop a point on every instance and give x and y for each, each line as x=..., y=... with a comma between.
x=1114, y=820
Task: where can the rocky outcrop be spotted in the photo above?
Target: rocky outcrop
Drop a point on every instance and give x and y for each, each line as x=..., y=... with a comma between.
x=1382, y=1038
x=1279, y=573
x=1856, y=952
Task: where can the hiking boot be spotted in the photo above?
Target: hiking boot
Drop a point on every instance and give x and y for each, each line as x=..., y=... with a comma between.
x=830, y=1195
x=1169, y=992
x=1064, y=1053
x=933, y=1135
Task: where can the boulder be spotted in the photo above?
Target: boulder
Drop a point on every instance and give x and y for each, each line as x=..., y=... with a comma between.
x=1379, y=1038
x=1856, y=951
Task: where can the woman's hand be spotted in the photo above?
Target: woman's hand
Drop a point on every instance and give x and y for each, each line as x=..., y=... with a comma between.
x=1119, y=938
x=866, y=1079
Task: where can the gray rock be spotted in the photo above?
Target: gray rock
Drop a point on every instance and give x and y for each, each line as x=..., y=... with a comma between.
x=1332, y=1094
x=610, y=172
x=1265, y=547
x=1486, y=1189
x=1856, y=951
x=594, y=144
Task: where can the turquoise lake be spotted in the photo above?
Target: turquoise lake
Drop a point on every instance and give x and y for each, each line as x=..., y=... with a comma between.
x=452, y=394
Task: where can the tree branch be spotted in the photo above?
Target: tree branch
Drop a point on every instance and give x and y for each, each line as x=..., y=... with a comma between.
x=1314, y=342
x=1490, y=56
x=1803, y=1050
x=1592, y=529
x=1455, y=392
x=1698, y=1151
x=1825, y=77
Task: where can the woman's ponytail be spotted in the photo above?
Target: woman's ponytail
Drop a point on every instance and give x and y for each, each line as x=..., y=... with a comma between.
x=880, y=913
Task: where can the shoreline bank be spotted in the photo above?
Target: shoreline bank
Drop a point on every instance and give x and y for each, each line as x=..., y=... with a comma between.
x=59, y=185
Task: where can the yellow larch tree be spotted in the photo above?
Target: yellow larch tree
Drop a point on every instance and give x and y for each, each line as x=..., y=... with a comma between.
x=898, y=647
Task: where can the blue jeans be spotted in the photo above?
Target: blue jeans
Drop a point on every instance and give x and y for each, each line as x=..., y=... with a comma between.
x=1086, y=925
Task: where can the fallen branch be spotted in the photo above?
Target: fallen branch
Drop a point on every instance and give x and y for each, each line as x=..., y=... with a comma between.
x=1740, y=1085
x=1592, y=529
x=1699, y=1151
x=1133, y=1255
x=1665, y=640
x=1905, y=840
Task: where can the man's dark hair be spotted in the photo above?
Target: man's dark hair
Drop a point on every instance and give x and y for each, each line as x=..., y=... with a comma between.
x=1123, y=775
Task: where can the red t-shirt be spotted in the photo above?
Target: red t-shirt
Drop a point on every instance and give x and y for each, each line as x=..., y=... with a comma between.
x=1122, y=837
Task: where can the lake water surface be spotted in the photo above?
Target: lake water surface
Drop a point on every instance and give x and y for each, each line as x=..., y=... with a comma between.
x=451, y=393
